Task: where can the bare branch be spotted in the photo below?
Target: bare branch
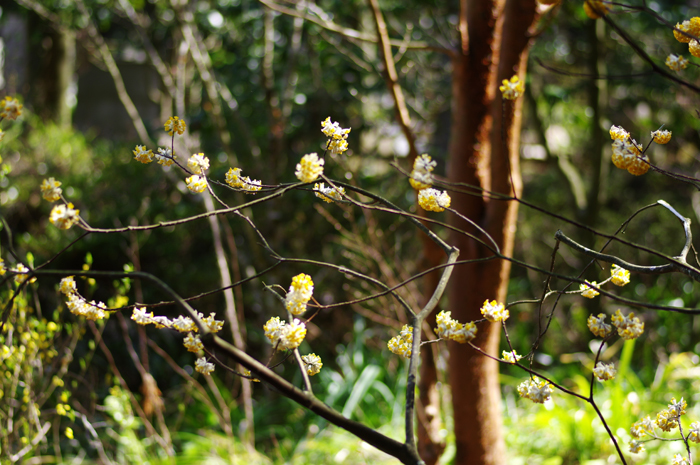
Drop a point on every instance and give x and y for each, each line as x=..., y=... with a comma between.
x=392, y=79
x=675, y=264
x=140, y=24
x=108, y=60
x=326, y=22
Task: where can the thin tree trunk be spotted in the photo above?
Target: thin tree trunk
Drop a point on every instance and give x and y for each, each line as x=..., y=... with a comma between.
x=484, y=152
x=52, y=70
x=248, y=436
x=430, y=443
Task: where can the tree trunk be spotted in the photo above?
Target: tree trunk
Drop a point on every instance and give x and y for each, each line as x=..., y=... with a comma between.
x=52, y=71
x=431, y=444
x=484, y=152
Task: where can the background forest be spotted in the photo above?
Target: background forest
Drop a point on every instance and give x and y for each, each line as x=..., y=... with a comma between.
x=253, y=80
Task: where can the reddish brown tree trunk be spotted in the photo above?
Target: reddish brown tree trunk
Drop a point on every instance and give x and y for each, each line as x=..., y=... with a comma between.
x=484, y=153
x=431, y=444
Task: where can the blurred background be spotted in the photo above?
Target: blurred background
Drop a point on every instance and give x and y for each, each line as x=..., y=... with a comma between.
x=253, y=84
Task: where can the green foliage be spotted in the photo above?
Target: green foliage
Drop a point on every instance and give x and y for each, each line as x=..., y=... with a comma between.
x=570, y=431
x=207, y=446
x=334, y=445
x=34, y=353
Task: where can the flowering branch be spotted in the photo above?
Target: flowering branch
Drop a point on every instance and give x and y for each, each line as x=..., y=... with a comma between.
x=645, y=56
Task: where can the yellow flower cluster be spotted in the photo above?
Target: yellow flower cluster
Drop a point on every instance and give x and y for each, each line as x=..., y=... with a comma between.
x=64, y=216
x=196, y=183
x=628, y=327
x=142, y=154
x=449, y=328
x=595, y=9
x=337, y=142
x=77, y=303
x=676, y=62
x=300, y=292
x=677, y=408
x=604, y=371
x=510, y=357
x=175, y=125
x=182, y=324
x=421, y=175
x=67, y=286
x=626, y=154
x=285, y=336
x=193, y=343
x=142, y=318
x=618, y=132
x=513, y=88
x=598, y=326
x=639, y=167
x=21, y=274
x=661, y=136
x=198, y=163
x=433, y=200
x=694, y=48
x=636, y=446
x=587, y=291
x=538, y=391
x=165, y=156
x=666, y=420
x=403, y=343
x=690, y=26
x=204, y=367
x=328, y=194
x=51, y=190
x=235, y=180
x=251, y=186
x=313, y=364
x=309, y=168
x=694, y=433
x=494, y=312
x=645, y=426
x=10, y=108
x=619, y=275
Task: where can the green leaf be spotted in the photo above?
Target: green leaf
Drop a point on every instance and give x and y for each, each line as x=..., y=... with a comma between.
x=367, y=377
